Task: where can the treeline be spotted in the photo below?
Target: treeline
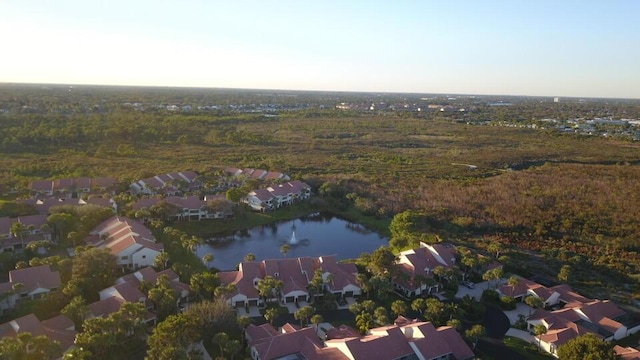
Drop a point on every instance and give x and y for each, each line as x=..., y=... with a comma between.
x=34, y=132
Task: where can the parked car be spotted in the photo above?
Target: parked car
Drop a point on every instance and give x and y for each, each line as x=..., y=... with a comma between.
x=468, y=284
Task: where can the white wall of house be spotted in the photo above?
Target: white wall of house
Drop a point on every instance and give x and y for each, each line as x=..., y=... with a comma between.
x=144, y=257
x=296, y=294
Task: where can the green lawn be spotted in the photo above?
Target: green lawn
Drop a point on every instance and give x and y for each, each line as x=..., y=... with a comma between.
x=524, y=349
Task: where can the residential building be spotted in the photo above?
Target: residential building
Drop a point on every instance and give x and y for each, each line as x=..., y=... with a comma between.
x=296, y=274
x=168, y=184
x=417, y=265
x=59, y=328
x=599, y=317
x=131, y=242
x=406, y=339
x=277, y=195
x=28, y=283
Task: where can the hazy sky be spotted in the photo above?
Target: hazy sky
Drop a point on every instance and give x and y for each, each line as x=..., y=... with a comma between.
x=555, y=48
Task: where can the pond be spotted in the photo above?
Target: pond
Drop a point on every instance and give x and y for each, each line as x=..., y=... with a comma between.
x=312, y=235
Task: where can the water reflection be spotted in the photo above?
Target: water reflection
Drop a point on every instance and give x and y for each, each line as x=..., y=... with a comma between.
x=313, y=235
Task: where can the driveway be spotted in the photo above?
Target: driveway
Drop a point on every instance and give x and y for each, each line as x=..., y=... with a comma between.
x=476, y=292
x=521, y=309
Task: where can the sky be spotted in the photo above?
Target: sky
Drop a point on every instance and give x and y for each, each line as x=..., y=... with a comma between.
x=546, y=48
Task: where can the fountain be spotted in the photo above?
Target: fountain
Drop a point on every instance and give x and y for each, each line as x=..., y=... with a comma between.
x=293, y=239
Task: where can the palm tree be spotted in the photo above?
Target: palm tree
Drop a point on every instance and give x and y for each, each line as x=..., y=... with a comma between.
x=207, y=258
x=539, y=330
x=284, y=249
x=19, y=230
x=316, y=320
x=221, y=339
x=250, y=257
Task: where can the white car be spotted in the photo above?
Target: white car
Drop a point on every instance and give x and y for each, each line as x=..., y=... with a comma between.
x=468, y=284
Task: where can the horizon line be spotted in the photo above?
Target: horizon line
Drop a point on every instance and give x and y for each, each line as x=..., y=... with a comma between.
x=3, y=83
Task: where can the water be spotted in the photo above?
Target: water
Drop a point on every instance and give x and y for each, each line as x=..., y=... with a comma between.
x=313, y=235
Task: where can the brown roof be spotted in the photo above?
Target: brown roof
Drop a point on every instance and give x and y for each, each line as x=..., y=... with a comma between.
x=35, y=277
x=104, y=182
x=123, y=232
x=33, y=220
x=41, y=185
x=627, y=353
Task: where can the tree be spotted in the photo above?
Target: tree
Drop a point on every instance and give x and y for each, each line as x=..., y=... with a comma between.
x=303, y=314
x=381, y=316
x=564, y=274
x=204, y=284
x=269, y=288
x=244, y=321
x=316, y=320
x=161, y=261
x=284, y=249
x=164, y=297
x=399, y=307
x=381, y=261
x=271, y=314
x=474, y=333
x=124, y=330
x=455, y=323
x=214, y=316
x=587, y=347
x=19, y=230
x=419, y=305
x=539, y=330
x=207, y=258
x=436, y=312
x=76, y=310
x=93, y=269
x=364, y=322
x=233, y=348
x=495, y=248
x=172, y=336
x=513, y=281
x=250, y=257
x=26, y=346
x=534, y=301
x=221, y=339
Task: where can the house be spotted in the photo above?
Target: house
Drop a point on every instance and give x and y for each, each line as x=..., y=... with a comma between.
x=169, y=184
x=417, y=265
x=34, y=231
x=627, y=353
x=296, y=274
x=59, y=328
x=406, y=339
x=149, y=276
x=191, y=207
x=72, y=187
x=283, y=194
x=131, y=242
x=44, y=205
x=277, y=195
x=599, y=317
x=260, y=200
x=29, y=283
x=290, y=343
x=559, y=295
x=41, y=187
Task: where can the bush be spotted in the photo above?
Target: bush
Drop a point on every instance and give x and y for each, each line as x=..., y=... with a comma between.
x=490, y=297
x=508, y=303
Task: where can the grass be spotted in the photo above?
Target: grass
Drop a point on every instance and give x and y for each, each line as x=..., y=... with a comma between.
x=525, y=349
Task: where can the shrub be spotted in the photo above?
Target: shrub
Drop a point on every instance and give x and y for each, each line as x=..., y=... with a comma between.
x=508, y=303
